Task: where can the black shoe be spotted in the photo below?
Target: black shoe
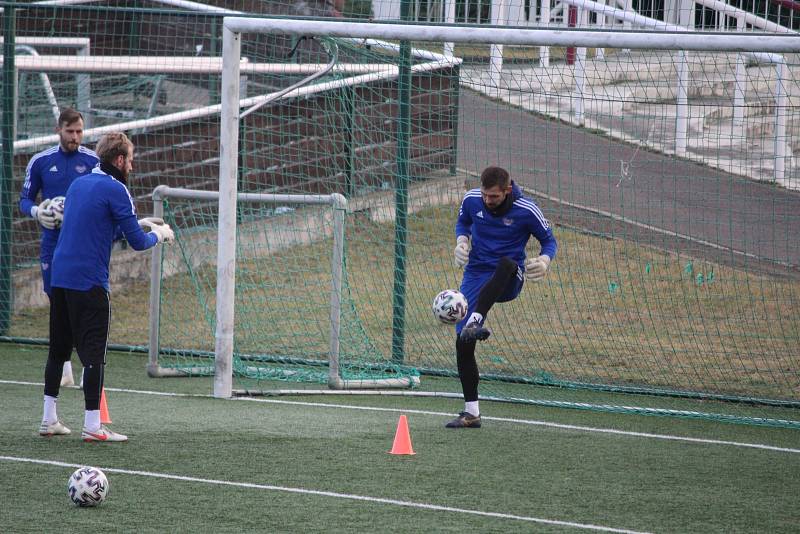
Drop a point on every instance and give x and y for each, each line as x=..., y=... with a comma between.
x=465, y=420
x=474, y=331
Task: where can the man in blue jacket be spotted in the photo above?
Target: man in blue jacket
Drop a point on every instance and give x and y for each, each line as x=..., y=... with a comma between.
x=97, y=205
x=51, y=172
x=493, y=227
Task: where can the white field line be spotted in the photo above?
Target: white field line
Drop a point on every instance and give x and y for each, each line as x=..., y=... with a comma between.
x=548, y=424
x=333, y=494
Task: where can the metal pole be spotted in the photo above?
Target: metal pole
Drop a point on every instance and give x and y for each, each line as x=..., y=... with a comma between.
x=580, y=73
x=599, y=52
x=544, y=51
x=213, y=92
x=498, y=14
x=155, y=295
x=339, y=207
x=454, y=90
x=226, y=244
x=7, y=178
x=682, y=104
x=401, y=193
x=739, y=84
x=780, y=122
x=84, y=91
x=449, y=18
x=668, y=39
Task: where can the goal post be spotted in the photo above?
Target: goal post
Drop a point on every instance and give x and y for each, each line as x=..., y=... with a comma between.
x=585, y=336
x=228, y=186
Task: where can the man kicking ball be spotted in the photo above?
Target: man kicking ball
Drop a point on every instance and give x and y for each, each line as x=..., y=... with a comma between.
x=493, y=227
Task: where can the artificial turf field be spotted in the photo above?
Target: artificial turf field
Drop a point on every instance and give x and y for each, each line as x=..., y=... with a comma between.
x=321, y=464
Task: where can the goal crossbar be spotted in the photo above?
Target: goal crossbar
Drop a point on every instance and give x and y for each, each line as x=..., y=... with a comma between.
x=664, y=40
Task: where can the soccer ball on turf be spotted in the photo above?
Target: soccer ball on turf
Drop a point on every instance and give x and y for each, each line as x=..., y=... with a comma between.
x=88, y=486
x=450, y=306
x=57, y=207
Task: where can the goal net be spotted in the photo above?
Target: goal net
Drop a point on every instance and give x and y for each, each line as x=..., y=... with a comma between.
x=665, y=161
x=295, y=320
x=653, y=292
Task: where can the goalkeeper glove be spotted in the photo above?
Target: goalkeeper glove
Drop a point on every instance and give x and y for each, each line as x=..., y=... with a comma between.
x=163, y=232
x=148, y=223
x=461, y=253
x=44, y=214
x=536, y=268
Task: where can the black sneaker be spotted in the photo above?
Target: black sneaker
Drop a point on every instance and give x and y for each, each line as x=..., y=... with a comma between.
x=474, y=331
x=465, y=420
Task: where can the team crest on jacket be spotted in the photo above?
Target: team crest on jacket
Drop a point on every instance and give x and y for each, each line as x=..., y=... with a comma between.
x=507, y=221
x=45, y=266
x=80, y=168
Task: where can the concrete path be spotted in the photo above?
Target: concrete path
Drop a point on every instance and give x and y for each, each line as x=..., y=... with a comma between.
x=589, y=181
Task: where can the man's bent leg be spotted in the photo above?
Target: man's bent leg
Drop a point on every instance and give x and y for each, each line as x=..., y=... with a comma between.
x=491, y=291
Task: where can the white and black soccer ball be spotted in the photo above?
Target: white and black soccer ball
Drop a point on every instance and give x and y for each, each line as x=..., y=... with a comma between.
x=88, y=486
x=57, y=207
x=450, y=306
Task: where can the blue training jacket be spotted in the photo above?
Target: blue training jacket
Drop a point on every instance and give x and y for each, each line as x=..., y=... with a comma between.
x=494, y=237
x=52, y=171
x=96, y=204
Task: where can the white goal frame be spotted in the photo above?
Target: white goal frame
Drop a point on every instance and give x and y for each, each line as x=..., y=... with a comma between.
x=223, y=360
x=223, y=365
x=234, y=27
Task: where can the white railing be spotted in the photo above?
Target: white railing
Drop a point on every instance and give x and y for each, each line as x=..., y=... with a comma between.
x=82, y=47
x=619, y=13
x=380, y=72
x=607, y=14
x=683, y=81
x=552, y=12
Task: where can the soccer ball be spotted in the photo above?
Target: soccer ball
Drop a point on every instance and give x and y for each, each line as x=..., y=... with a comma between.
x=88, y=486
x=450, y=306
x=57, y=207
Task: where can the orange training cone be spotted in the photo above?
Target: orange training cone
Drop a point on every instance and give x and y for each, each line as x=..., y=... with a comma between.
x=402, y=439
x=104, y=417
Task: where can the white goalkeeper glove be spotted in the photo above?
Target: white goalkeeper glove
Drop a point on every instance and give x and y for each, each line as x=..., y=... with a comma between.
x=163, y=232
x=148, y=223
x=461, y=252
x=44, y=214
x=536, y=268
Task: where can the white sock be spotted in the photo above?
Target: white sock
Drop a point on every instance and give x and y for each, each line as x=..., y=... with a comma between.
x=91, y=420
x=67, y=369
x=474, y=318
x=472, y=407
x=50, y=415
